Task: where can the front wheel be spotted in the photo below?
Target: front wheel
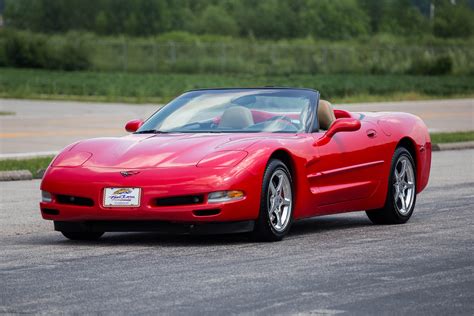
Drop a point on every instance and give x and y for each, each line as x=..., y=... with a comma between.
x=401, y=196
x=276, y=206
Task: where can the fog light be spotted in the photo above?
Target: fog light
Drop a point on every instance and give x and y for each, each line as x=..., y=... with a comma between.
x=46, y=197
x=224, y=196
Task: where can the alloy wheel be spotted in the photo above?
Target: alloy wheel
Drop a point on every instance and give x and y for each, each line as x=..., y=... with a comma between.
x=279, y=200
x=403, y=185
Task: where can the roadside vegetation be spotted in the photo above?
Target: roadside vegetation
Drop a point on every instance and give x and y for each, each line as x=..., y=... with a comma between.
x=263, y=19
x=267, y=37
x=439, y=138
x=152, y=50
x=34, y=165
x=180, y=52
x=6, y=113
x=160, y=88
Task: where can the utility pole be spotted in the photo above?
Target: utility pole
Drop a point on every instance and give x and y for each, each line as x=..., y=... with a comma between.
x=432, y=11
x=2, y=7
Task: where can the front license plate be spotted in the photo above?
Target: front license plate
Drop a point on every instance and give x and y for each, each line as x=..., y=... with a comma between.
x=121, y=197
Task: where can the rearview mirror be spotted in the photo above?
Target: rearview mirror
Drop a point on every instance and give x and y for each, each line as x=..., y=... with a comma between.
x=133, y=126
x=339, y=125
x=343, y=125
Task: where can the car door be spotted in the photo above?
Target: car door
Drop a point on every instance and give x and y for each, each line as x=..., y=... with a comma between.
x=348, y=165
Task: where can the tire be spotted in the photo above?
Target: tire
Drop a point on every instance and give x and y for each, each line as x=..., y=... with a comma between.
x=401, y=194
x=82, y=235
x=276, y=203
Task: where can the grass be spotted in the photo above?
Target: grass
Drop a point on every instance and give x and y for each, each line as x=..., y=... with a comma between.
x=159, y=88
x=31, y=164
x=438, y=138
x=6, y=113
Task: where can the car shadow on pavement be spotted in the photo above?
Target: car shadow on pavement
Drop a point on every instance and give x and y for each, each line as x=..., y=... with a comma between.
x=304, y=227
x=329, y=223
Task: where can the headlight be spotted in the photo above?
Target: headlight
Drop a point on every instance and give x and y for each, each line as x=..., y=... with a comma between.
x=71, y=159
x=225, y=196
x=46, y=197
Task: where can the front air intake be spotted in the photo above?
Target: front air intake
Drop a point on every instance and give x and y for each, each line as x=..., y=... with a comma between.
x=74, y=200
x=50, y=211
x=211, y=212
x=180, y=200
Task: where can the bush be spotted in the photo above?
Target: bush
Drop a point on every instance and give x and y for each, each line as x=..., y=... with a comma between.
x=24, y=50
x=27, y=50
x=441, y=65
x=189, y=53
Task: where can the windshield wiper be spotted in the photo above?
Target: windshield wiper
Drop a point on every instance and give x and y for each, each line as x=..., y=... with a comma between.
x=151, y=131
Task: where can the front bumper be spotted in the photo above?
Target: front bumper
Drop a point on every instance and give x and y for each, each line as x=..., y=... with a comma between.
x=156, y=226
x=154, y=183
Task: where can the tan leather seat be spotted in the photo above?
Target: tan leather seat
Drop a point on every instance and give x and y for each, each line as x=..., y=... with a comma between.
x=236, y=117
x=325, y=115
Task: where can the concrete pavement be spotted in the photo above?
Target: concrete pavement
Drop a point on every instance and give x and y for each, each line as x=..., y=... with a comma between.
x=327, y=265
x=45, y=126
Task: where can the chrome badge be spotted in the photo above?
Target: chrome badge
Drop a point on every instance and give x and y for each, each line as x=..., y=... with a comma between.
x=129, y=173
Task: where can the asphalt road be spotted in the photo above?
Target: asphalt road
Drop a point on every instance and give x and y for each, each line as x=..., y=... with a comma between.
x=43, y=126
x=327, y=265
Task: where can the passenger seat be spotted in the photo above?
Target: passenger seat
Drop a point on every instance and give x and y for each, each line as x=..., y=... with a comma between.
x=325, y=115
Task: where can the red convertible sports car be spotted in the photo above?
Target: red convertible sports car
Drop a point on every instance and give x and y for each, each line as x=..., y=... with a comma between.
x=239, y=160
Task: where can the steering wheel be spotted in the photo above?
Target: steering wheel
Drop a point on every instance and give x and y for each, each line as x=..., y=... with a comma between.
x=283, y=118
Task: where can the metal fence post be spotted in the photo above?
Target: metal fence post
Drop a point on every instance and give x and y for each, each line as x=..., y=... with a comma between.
x=125, y=55
x=155, y=58
x=172, y=52
x=223, y=56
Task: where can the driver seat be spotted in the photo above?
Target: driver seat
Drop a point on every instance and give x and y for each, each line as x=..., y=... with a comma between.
x=236, y=117
x=325, y=115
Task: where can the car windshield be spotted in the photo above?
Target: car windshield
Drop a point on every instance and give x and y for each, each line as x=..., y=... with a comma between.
x=234, y=110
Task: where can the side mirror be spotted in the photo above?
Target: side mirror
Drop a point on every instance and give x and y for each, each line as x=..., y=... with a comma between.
x=343, y=125
x=339, y=125
x=133, y=126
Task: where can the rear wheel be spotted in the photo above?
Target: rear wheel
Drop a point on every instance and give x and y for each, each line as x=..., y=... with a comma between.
x=83, y=235
x=276, y=206
x=401, y=196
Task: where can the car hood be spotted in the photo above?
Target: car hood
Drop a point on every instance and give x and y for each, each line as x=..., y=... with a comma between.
x=158, y=151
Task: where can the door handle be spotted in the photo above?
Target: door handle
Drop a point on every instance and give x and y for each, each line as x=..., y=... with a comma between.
x=371, y=133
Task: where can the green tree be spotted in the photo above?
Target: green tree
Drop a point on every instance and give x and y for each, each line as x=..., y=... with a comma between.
x=215, y=20
x=375, y=10
x=132, y=26
x=341, y=19
x=453, y=20
x=401, y=17
x=101, y=23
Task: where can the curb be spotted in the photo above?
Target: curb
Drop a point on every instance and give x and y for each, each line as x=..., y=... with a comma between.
x=452, y=146
x=15, y=175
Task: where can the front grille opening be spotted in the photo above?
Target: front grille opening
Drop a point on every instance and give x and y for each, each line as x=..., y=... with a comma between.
x=50, y=211
x=74, y=200
x=180, y=200
x=206, y=212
